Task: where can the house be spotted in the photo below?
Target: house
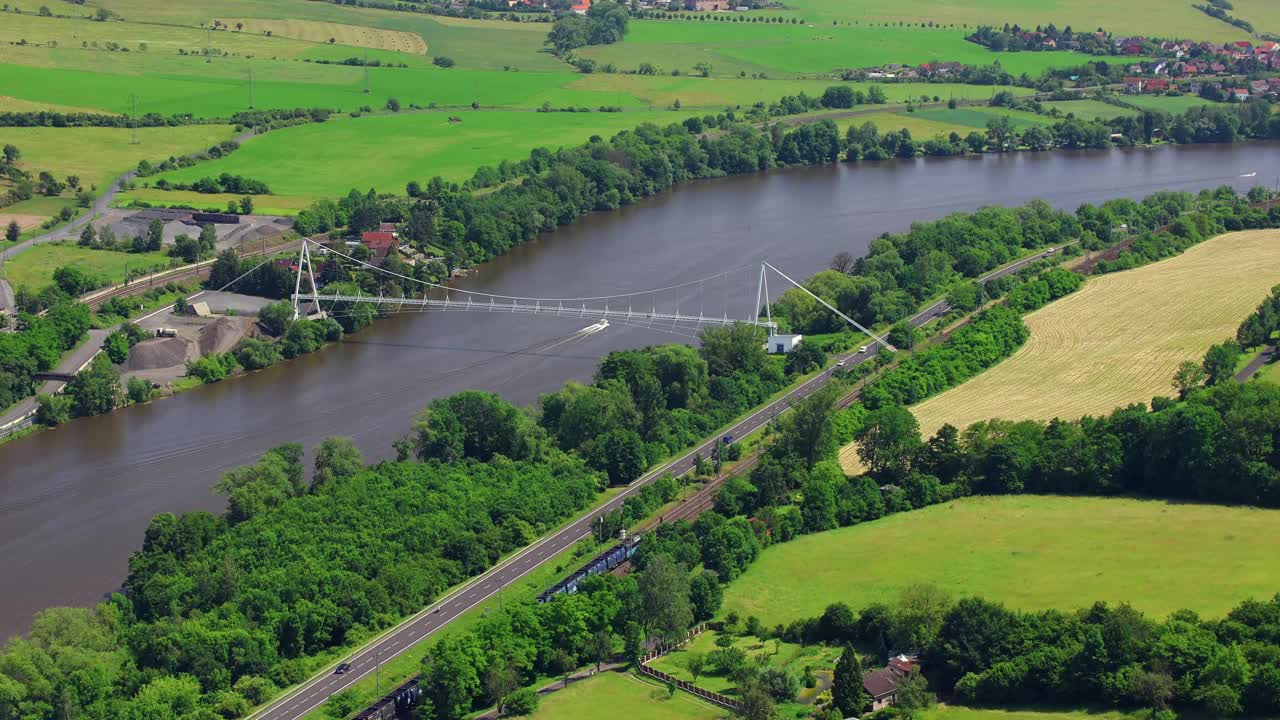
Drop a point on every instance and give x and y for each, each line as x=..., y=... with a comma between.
x=781, y=344
x=1156, y=85
x=582, y=6
x=389, y=227
x=379, y=243
x=1259, y=87
x=1242, y=46
x=882, y=684
x=1239, y=94
x=1218, y=67
x=1133, y=85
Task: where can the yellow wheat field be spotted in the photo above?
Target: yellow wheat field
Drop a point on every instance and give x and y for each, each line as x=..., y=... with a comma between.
x=1117, y=340
x=316, y=31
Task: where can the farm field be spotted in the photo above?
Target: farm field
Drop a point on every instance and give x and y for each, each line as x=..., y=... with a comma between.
x=34, y=268
x=1089, y=109
x=1029, y=552
x=1087, y=356
x=977, y=117
x=387, y=151
x=732, y=48
x=331, y=32
x=1144, y=17
x=62, y=151
x=263, y=204
x=1172, y=104
x=625, y=696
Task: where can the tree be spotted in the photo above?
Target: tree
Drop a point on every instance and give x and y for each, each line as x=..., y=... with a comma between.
x=842, y=262
x=139, y=390
x=155, y=235
x=88, y=236
x=1189, y=376
x=705, y=594
x=96, y=389
x=1220, y=362
x=904, y=335
x=695, y=663
x=13, y=231
x=1000, y=133
x=393, y=104
x=619, y=453
x=11, y=154
x=664, y=599
x=1154, y=689
x=757, y=705
x=500, y=680
x=443, y=61
x=246, y=205
x=918, y=616
x=336, y=458
x=601, y=648
x=807, y=431
x=888, y=441
x=913, y=695
x=847, y=692
x=276, y=317
x=523, y=701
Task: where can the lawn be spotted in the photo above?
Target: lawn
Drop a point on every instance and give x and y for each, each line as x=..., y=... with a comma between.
x=1172, y=104
x=621, y=695
x=34, y=268
x=957, y=712
x=387, y=151
x=976, y=118
x=1087, y=354
x=774, y=652
x=1089, y=109
x=927, y=124
x=99, y=155
x=732, y=48
x=1029, y=552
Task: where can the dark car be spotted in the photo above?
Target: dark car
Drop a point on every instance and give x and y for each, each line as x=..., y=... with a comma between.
x=342, y=668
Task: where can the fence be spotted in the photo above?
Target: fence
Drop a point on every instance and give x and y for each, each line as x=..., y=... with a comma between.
x=712, y=697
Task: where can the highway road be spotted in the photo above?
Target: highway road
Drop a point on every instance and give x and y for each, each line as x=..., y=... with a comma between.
x=316, y=691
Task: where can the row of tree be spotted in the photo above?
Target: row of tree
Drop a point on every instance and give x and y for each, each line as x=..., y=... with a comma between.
x=37, y=346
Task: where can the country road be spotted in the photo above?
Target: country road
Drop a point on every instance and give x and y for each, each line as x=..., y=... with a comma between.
x=316, y=691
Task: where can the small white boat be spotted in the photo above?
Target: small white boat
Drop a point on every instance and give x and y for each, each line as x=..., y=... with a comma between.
x=1252, y=174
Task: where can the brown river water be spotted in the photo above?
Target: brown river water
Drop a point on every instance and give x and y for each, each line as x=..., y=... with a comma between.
x=74, y=502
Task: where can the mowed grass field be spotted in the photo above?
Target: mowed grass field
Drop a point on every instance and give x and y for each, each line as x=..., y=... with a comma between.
x=34, y=268
x=1089, y=109
x=620, y=695
x=1172, y=104
x=731, y=48
x=1118, y=339
x=1029, y=552
x=334, y=33
x=99, y=155
x=387, y=151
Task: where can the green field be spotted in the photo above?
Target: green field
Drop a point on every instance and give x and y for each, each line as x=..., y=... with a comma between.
x=624, y=696
x=956, y=712
x=926, y=124
x=731, y=48
x=34, y=268
x=1172, y=104
x=775, y=653
x=385, y=152
x=99, y=155
x=976, y=118
x=1089, y=109
x=1030, y=552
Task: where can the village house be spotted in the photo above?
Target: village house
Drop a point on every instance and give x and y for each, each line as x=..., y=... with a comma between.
x=1239, y=94
x=1156, y=85
x=380, y=244
x=882, y=684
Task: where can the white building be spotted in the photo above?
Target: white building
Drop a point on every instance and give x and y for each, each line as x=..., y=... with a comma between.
x=782, y=344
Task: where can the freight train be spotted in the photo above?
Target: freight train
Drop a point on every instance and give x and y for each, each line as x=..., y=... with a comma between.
x=398, y=703
x=602, y=563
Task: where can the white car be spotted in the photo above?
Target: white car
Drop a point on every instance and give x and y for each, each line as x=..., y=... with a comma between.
x=862, y=349
x=1050, y=251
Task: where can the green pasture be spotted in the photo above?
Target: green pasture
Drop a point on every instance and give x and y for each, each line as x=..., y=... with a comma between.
x=99, y=155
x=731, y=48
x=919, y=127
x=775, y=653
x=387, y=151
x=619, y=695
x=976, y=118
x=1030, y=552
x=262, y=205
x=485, y=44
x=1141, y=17
x=1264, y=14
x=34, y=268
x=1172, y=104
x=958, y=712
x=1089, y=109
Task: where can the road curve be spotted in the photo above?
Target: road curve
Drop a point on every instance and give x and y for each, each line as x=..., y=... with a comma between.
x=316, y=691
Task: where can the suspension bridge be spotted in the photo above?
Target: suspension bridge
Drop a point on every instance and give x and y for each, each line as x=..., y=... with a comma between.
x=656, y=308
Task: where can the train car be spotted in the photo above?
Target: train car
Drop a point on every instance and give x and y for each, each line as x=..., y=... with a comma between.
x=602, y=563
x=398, y=703
x=218, y=218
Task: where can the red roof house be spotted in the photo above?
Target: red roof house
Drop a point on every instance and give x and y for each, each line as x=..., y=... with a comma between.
x=379, y=243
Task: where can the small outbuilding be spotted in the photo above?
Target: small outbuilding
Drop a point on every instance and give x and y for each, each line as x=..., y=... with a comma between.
x=782, y=344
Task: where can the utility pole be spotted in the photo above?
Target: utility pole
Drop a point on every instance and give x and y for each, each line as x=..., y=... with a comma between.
x=251, y=86
x=366, y=71
x=133, y=117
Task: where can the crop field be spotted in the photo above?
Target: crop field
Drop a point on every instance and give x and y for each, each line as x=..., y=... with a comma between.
x=1087, y=355
x=732, y=48
x=1172, y=104
x=99, y=155
x=263, y=204
x=978, y=117
x=387, y=151
x=334, y=33
x=1089, y=109
x=34, y=268
x=625, y=696
x=1029, y=552
x=1264, y=14
x=957, y=712
x=919, y=127
x=1144, y=17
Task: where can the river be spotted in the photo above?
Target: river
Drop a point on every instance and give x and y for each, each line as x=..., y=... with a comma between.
x=74, y=501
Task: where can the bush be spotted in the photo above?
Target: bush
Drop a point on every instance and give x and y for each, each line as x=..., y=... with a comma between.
x=253, y=354
x=443, y=61
x=522, y=702
x=53, y=410
x=212, y=368
x=139, y=390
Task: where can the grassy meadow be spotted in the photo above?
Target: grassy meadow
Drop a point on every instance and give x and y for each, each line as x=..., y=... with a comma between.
x=1087, y=355
x=1089, y=109
x=1029, y=552
x=775, y=653
x=958, y=712
x=34, y=268
x=1172, y=104
x=625, y=696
